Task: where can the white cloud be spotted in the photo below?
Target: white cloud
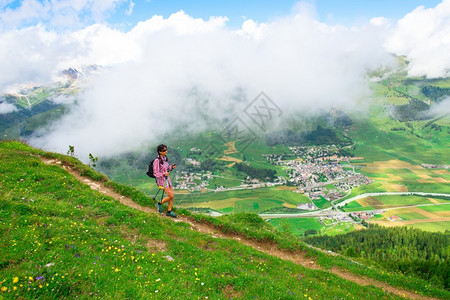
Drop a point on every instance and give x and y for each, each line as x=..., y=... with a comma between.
x=423, y=36
x=180, y=23
x=181, y=71
x=104, y=46
x=252, y=29
x=64, y=99
x=28, y=12
x=6, y=108
x=194, y=73
x=130, y=8
x=440, y=108
x=33, y=54
x=381, y=21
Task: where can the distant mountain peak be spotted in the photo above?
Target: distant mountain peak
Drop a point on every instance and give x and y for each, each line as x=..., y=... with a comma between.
x=71, y=73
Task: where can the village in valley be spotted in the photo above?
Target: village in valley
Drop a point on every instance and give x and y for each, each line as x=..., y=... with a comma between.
x=317, y=172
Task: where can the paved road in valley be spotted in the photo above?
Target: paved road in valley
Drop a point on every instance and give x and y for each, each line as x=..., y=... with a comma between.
x=331, y=211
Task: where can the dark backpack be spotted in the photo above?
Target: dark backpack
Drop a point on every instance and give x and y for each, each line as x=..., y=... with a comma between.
x=150, y=168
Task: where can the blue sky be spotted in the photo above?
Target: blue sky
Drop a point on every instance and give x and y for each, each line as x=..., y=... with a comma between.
x=125, y=14
x=346, y=12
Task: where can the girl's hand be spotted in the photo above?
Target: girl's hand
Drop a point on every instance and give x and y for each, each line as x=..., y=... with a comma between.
x=167, y=174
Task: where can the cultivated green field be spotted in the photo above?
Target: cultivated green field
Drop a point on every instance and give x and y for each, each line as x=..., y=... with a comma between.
x=355, y=206
x=414, y=211
x=432, y=226
x=297, y=226
x=437, y=208
x=253, y=200
x=394, y=201
x=322, y=203
x=412, y=216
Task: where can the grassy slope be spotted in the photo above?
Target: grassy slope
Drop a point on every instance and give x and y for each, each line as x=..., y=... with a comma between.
x=61, y=239
x=38, y=121
x=376, y=141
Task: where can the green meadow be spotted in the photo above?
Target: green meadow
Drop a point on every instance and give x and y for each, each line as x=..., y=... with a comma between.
x=394, y=200
x=375, y=141
x=418, y=143
x=386, y=201
x=322, y=203
x=298, y=226
x=256, y=200
x=35, y=97
x=432, y=226
x=355, y=206
x=437, y=208
x=61, y=239
x=412, y=216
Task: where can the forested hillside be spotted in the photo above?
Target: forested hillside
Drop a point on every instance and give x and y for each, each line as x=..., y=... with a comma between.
x=408, y=250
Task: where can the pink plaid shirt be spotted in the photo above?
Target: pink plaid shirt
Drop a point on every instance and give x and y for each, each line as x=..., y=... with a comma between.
x=160, y=169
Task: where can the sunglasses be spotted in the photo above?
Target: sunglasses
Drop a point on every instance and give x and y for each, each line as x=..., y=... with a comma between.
x=165, y=150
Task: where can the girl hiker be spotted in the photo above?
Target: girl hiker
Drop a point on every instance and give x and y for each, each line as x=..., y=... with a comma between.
x=161, y=169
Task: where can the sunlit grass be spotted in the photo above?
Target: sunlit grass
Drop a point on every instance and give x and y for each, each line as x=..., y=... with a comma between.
x=60, y=239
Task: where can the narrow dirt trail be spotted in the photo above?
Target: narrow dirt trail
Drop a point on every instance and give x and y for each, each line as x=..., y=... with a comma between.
x=297, y=257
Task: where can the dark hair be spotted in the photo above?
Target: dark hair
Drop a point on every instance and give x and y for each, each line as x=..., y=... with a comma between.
x=161, y=148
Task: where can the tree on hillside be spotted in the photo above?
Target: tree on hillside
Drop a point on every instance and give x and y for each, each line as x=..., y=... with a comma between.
x=257, y=173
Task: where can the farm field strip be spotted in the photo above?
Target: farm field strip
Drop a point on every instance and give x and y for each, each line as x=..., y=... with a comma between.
x=410, y=222
x=361, y=196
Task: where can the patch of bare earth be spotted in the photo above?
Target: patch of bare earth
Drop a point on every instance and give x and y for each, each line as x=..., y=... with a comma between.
x=155, y=245
x=297, y=257
x=231, y=293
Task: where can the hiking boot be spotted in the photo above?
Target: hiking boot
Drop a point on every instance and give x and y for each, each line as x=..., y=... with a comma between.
x=171, y=214
x=159, y=207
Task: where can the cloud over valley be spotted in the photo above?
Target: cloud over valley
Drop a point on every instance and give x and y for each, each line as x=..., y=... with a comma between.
x=180, y=71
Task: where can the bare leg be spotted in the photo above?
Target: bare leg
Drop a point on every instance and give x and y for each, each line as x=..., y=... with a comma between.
x=169, y=197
